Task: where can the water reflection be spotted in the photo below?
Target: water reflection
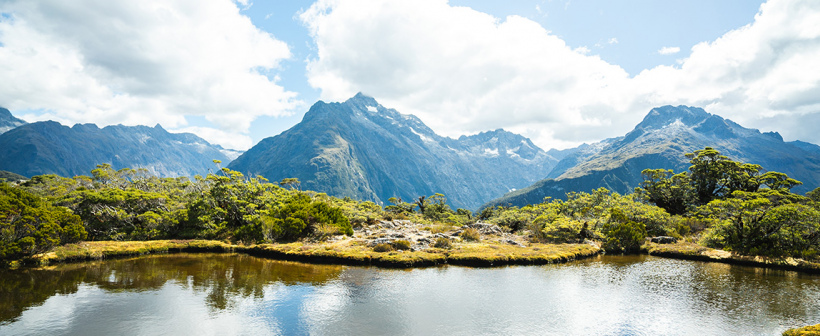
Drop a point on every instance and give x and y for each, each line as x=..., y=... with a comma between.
x=236, y=294
x=224, y=279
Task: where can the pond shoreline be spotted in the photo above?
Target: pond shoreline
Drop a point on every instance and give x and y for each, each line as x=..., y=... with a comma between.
x=694, y=252
x=351, y=254
x=345, y=252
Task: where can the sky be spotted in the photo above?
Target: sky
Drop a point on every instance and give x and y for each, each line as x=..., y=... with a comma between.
x=561, y=72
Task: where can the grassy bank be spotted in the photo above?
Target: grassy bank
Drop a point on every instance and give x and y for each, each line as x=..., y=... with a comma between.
x=691, y=251
x=347, y=252
x=804, y=331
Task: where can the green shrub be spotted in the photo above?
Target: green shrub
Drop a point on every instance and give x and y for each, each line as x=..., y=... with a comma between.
x=471, y=234
x=561, y=230
x=30, y=225
x=623, y=235
x=512, y=218
x=383, y=247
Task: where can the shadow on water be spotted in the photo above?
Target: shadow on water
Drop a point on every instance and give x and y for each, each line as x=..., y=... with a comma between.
x=225, y=277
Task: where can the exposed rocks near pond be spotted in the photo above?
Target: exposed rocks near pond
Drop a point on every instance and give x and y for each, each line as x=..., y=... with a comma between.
x=664, y=240
x=423, y=236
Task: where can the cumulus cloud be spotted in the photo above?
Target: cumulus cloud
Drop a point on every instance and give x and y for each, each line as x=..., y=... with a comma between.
x=140, y=62
x=752, y=74
x=464, y=71
x=230, y=140
x=460, y=70
x=668, y=50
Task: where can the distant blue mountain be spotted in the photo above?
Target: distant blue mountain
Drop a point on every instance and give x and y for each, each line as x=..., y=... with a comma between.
x=660, y=141
x=50, y=148
x=361, y=149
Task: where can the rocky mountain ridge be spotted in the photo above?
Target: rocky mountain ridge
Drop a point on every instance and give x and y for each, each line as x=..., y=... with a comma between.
x=361, y=149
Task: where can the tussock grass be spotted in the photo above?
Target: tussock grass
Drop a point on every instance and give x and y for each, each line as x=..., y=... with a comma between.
x=804, y=331
x=348, y=251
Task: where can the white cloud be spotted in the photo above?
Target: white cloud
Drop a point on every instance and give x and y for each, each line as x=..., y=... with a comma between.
x=463, y=71
x=612, y=40
x=140, y=62
x=668, y=50
x=460, y=70
x=755, y=75
x=228, y=140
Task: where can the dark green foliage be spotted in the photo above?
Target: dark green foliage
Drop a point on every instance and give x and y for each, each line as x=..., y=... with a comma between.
x=670, y=191
x=133, y=205
x=299, y=215
x=711, y=176
x=30, y=225
x=622, y=234
x=771, y=222
x=434, y=207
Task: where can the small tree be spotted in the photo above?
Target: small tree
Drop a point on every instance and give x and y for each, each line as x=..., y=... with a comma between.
x=622, y=234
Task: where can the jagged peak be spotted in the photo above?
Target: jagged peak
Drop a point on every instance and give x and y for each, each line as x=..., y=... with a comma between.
x=362, y=99
x=85, y=126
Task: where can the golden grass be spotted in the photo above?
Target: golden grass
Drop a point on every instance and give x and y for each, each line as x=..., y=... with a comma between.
x=804, y=331
x=347, y=251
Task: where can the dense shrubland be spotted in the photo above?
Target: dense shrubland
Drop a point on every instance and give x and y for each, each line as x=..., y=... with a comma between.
x=719, y=203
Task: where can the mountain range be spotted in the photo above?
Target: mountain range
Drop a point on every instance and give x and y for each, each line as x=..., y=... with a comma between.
x=363, y=150
x=48, y=147
x=660, y=141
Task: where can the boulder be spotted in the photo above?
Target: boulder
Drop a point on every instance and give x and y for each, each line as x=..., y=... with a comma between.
x=664, y=240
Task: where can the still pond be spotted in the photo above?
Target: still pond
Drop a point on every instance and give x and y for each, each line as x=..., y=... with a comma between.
x=235, y=294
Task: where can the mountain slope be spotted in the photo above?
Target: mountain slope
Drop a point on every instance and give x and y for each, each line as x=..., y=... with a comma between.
x=660, y=141
x=363, y=150
x=8, y=121
x=50, y=148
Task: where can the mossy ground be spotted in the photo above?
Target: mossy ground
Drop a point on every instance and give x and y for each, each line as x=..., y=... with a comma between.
x=346, y=251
